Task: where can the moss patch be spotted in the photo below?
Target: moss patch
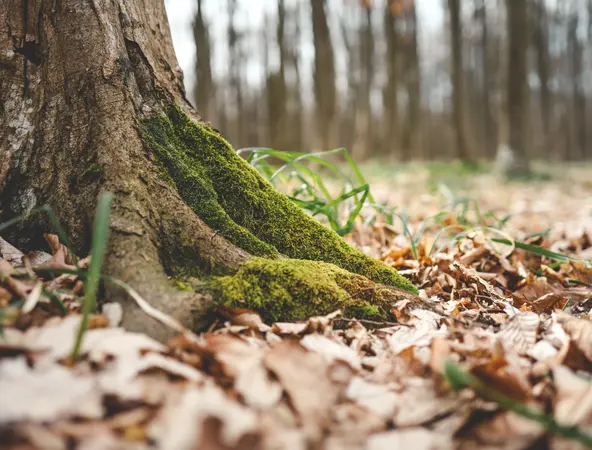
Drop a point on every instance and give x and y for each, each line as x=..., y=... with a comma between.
x=291, y=289
x=231, y=197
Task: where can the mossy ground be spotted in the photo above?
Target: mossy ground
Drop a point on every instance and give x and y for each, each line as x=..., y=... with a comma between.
x=232, y=197
x=292, y=289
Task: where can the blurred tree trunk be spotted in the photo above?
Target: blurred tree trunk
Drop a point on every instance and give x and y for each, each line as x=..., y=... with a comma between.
x=347, y=115
x=576, y=53
x=390, y=122
x=411, y=134
x=541, y=38
x=488, y=82
x=363, y=112
x=458, y=88
x=236, y=72
x=276, y=87
x=295, y=90
x=517, y=88
x=324, y=78
x=204, y=93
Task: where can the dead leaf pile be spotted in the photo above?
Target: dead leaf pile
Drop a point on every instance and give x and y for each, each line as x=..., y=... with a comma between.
x=518, y=322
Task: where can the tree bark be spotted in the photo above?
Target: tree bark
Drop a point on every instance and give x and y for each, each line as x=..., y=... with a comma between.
x=488, y=82
x=324, y=78
x=92, y=99
x=458, y=89
x=362, y=143
x=277, y=89
x=412, y=130
x=390, y=125
x=205, y=91
x=541, y=37
x=576, y=53
x=517, y=87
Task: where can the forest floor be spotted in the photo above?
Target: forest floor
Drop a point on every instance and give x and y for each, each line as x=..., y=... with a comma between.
x=498, y=354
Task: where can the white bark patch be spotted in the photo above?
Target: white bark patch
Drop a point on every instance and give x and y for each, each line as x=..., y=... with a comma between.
x=24, y=202
x=18, y=112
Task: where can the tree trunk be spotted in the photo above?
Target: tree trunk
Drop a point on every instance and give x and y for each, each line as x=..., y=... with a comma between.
x=576, y=53
x=390, y=125
x=517, y=87
x=541, y=37
x=411, y=136
x=488, y=84
x=363, y=112
x=92, y=99
x=277, y=90
x=204, y=92
x=324, y=78
x=235, y=76
x=458, y=100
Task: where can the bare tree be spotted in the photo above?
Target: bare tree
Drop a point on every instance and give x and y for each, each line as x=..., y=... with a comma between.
x=92, y=100
x=541, y=42
x=412, y=132
x=517, y=88
x=576, y=53
x=363, y=114
x=235, y=76
x=488, y=80
x=277, y=90
x=204, y=91
x=390, y=119
x=458, y=88
x=295, y=102
x=324, y=77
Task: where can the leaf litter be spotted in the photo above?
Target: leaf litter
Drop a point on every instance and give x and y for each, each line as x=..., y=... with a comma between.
x=518, y=322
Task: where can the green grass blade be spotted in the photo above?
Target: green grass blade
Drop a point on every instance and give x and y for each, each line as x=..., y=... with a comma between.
x=537, y=250
x=55, y=300
x=458, y=379
x=355, y=212
x=99, y=247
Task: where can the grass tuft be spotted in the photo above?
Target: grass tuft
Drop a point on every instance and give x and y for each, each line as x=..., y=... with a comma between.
x=91, y=285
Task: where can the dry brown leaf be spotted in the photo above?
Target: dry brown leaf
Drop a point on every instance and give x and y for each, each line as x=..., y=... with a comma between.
x=415, y=438
x=331, y=350
x=184, y=421
x=243, y=317
x=10, y=253
x=45, y=393
x=573, y=404
x=579, y=330
x=304, y=376
x=376, y=398
x=520, y=332
x=243, y=362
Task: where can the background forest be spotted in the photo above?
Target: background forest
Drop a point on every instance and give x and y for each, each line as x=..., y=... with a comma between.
x=399, y=79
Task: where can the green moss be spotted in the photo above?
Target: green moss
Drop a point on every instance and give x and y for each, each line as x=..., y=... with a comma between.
x=182, y=285
x=231, y=197
x=291, y=289
x=95, y=169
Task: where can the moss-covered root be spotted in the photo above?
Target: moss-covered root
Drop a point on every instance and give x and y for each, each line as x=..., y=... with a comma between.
x=231, y=197
x=291, y=289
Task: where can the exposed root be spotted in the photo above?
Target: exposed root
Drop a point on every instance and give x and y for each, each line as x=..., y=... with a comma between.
x=231, y=197
x=290, y=290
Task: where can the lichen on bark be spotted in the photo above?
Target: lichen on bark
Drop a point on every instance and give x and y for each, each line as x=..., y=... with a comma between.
x=231, y=197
